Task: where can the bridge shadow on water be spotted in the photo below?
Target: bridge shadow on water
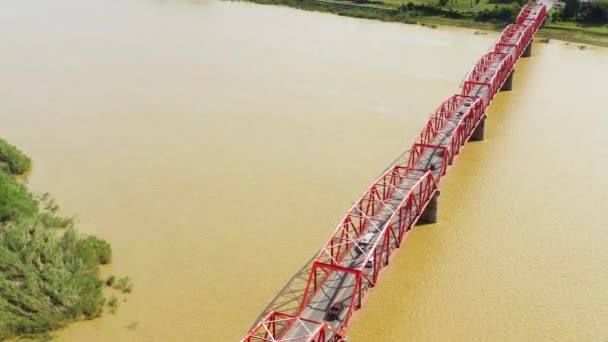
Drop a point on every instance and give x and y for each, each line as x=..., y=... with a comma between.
x=290, y=297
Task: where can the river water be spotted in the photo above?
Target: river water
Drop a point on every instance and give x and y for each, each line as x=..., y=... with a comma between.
x=217, y=144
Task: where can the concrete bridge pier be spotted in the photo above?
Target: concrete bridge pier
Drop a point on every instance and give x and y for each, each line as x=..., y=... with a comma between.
x=528, y=50
x=508, y=85
x=429, y=215
x=479, y=132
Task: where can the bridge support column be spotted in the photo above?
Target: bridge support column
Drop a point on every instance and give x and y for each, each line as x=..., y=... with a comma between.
x=430, y=212
x=528, y=50
x=479, y=132
x=508, y=85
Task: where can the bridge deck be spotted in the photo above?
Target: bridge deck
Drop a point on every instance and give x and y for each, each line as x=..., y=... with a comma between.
x=340, y=286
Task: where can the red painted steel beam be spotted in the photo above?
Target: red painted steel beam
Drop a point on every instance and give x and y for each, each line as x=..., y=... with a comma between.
x=517, y=36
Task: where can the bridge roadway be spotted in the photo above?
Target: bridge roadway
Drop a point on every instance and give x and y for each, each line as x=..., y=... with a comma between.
x=340, y=286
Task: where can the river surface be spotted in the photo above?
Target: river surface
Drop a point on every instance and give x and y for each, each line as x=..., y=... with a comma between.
x=217, y=144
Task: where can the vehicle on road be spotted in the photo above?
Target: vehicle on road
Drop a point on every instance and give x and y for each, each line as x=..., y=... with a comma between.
x=365, y=242
x=334, y=311
x=370, y=262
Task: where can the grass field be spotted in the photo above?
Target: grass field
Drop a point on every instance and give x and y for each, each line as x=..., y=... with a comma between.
x=593, y=35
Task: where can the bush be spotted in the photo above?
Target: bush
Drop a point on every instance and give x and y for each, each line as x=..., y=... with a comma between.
x=424, y=9
x=431, y=9
x=16, y=202
x=594, y=13
x=94, y=250
x=499, y=14
x=110, y=280
x=13, y=159
x=124, y=284
x=47, y=279
x=113, y=303
x=571, y=9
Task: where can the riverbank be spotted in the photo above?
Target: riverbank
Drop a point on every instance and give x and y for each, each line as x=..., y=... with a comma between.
x=482, y=15
x=49, y=274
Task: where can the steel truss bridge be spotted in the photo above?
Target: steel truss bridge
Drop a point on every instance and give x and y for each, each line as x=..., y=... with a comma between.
x=350, y=263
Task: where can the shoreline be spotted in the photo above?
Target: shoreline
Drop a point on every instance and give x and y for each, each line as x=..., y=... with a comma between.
x=563, y=32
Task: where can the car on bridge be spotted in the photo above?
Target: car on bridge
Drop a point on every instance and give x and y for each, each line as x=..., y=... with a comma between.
x=365, y=242
x=334, y=311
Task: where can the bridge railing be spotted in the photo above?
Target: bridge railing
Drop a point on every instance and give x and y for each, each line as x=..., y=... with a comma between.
x=275, y=324
x=438, y=119
x=401, y=220
x=480, y=76
x=465, y=113
x=465, y=128
x=516, y=36
x=532, y=14
x=368, y=214
x=364, y=215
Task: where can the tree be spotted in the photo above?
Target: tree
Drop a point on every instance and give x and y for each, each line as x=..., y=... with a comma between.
x=443, y=2
x=603, y=6
x=572, y=8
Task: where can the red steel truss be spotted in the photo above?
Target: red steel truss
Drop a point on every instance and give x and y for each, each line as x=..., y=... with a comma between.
x=491, y=71
x=514, y=39
x=464, y=114
x=389, y=208
x=397, y=200
x=532, y=15
x=275, y=323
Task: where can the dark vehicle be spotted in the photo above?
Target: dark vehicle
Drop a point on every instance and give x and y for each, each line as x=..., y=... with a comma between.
x=334, y=311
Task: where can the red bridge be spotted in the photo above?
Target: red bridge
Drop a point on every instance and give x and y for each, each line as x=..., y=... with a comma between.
x=318, y=303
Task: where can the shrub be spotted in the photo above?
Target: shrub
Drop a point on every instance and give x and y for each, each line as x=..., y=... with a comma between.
x=15, y=200
x=110, y=280
x=113, y=303
x=47, y=279
x=571, y=9
x=94, y=250
x=594, y=13
x=124, y=284
x=499, y=14
x=14, y=160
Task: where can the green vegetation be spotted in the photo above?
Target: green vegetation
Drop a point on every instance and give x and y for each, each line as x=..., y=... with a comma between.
x=573, y=32
x=12, y=160
x=113, y=303
x=124, y=285
x=110, y=281
x=49, y=274
x=579, y=22
x=585, y=23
